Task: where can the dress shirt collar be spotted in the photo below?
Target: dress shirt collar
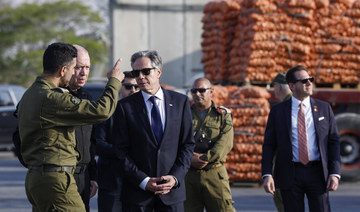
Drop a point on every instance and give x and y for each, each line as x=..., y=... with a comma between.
x=295, y=102
x=159, y=95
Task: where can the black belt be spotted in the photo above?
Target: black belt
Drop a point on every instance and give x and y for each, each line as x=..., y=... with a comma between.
x=309, y=164
x=53, y=168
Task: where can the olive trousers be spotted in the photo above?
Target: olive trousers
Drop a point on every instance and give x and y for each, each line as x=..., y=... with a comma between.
x=52, y=191
x=209, y=189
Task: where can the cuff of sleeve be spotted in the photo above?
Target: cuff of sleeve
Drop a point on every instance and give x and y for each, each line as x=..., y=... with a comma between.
x=336, y=175
x=265, y=175
x=143, y=183
x=176, y=181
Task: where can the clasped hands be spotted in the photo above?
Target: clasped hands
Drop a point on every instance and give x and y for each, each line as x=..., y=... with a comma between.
x=161, y=185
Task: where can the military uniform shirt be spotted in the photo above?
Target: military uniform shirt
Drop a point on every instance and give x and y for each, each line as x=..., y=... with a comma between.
x=47, y=116
x=217, y=126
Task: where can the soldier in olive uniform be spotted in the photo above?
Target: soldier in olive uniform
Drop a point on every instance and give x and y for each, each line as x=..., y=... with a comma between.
x=282, y=93
x=47, y=116
x=207, y=182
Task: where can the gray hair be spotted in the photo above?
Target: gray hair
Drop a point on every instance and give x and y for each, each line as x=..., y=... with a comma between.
x=155, y=58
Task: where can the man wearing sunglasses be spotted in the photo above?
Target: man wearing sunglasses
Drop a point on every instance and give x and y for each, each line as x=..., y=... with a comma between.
x=110, y=174
x=207, y=182
x=302, y=131
x=154, y=136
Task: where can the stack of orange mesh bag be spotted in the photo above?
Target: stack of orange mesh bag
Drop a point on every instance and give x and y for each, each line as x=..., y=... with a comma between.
x=253, y=40
x=250, y=108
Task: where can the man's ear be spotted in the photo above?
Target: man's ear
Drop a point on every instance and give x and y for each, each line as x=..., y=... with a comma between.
x=291, y=86
x=159, y=72
x=62, y=71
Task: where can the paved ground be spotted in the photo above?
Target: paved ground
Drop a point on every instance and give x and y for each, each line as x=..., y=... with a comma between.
x=247, y=197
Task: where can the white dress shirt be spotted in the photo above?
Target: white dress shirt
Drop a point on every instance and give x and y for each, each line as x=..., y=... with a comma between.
x=160, y=101
x=313, y=149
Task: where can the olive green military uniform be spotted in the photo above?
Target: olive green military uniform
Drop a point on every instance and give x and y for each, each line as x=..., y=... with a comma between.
x=47, y=116
x=277, y=195
x=210, y=188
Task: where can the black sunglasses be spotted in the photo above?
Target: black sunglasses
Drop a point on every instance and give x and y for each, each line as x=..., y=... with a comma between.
x=303, y=81
x=201, y=90
x=128, y=86
x=144, y=71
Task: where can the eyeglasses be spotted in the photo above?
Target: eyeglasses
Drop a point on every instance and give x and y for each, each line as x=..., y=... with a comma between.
x=303, y=81
x=129, y=86
x=201, y=90
x=144, y=71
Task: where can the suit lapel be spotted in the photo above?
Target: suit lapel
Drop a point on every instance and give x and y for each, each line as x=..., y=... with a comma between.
x=142, y=113
x=168, y=106
x=315, y=114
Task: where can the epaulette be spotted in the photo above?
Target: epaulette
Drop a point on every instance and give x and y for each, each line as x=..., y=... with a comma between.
x=223, y=110
x=60, y=89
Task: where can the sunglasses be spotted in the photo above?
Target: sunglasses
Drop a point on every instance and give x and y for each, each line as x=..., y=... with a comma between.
x=303, y=81
x=201, y=90
x=144, y=71
x=129, y=86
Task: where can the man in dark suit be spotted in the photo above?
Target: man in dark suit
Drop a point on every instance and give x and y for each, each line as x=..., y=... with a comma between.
x=110, y=176
x=153, y=131
x=302, y=131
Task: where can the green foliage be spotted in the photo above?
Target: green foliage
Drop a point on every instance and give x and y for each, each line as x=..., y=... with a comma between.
x=26, y=31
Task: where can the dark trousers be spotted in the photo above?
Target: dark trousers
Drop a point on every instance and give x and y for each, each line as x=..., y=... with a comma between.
x=83, y=183
x=154, y=205
x=308, y=181
x=109, y=200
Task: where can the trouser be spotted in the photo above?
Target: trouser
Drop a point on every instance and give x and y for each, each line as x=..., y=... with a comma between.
x=52, y=191
x=309, y=181
x=110, y=180
x=209, y=189
x=82, y=179
x=109, y=200
x=278, y=200
x=154, y=205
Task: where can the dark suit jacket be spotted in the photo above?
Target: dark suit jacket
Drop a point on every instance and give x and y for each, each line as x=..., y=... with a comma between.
x=140, y=153
x=278, y=137
x=109, y=172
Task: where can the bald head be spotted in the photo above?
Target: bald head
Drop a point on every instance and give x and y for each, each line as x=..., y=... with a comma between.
x=80, y=49
x=82, y=69
x=202, y=93
x=204, y=81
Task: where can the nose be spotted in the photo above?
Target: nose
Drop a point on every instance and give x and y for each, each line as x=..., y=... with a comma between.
x=82, y=72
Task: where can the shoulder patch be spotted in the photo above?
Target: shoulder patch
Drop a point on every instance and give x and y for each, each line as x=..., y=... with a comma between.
x=223, y=110
x=75, y=100
x=61, y=90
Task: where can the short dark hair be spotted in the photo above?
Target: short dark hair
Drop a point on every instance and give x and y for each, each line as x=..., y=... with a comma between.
x=128, y=74
x=57, y=55
x=153, y=55
x=290, y=75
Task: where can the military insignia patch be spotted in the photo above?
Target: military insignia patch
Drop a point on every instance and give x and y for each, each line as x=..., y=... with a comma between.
x=75, y=100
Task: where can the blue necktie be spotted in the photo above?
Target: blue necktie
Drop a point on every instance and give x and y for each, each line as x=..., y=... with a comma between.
x=156, y=124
